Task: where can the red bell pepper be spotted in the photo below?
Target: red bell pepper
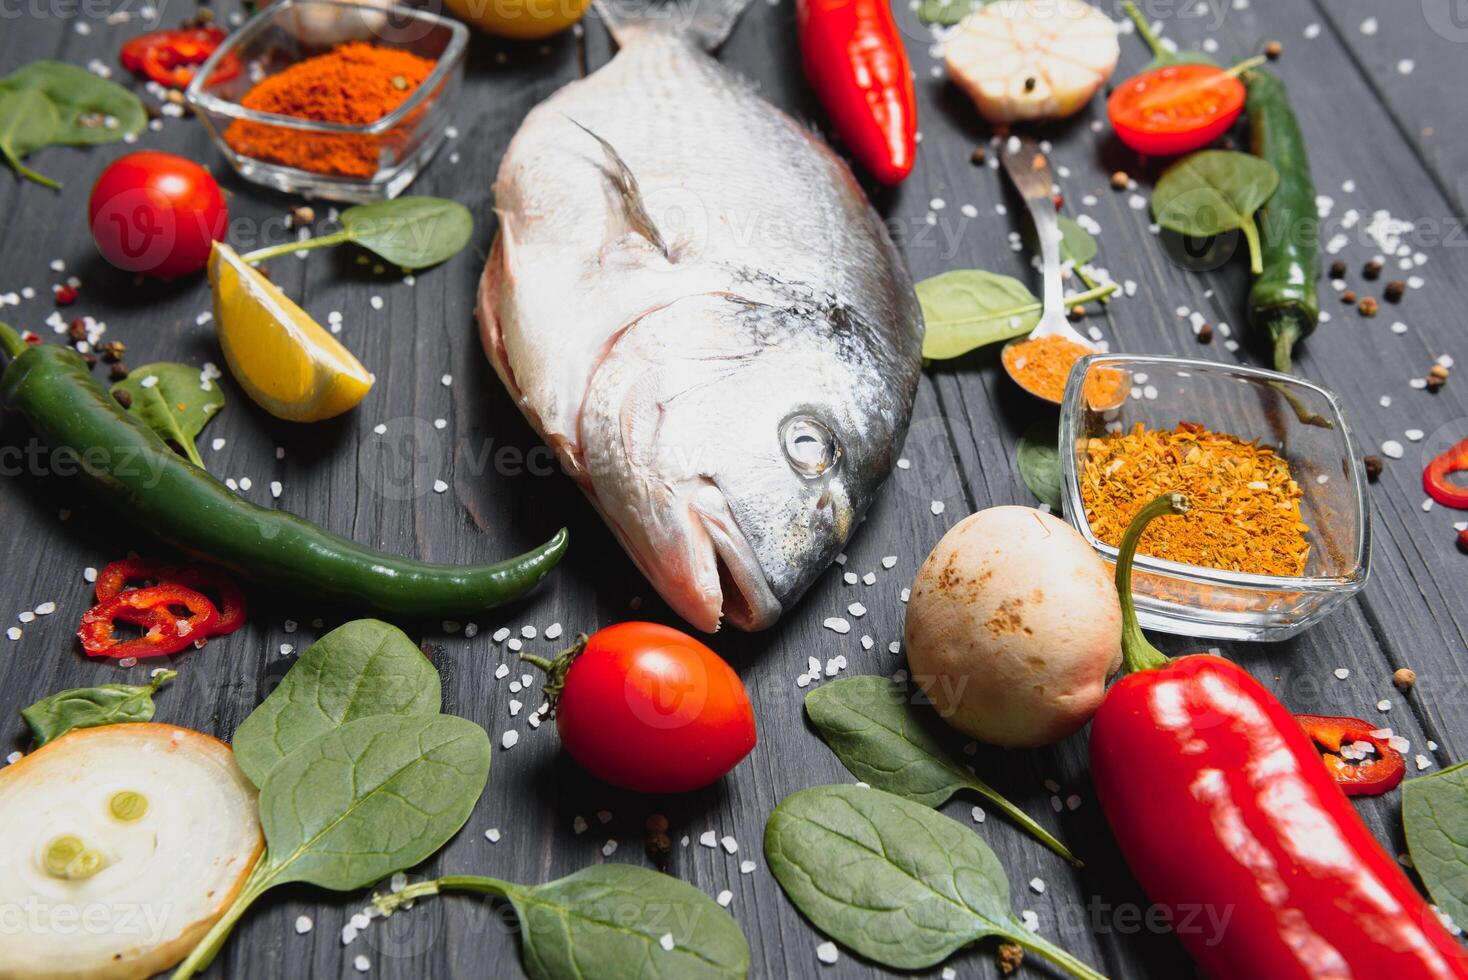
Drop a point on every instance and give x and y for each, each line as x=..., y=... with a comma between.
x=1380, y=773
x=169, y=57
x=227, y=597
x=1219, y=804
x=855, y=60
x=154, y=609
x=1435, y=478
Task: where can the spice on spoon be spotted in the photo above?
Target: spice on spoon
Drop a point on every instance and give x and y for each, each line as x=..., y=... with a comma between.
x=1246, y=506
x=1041, y=366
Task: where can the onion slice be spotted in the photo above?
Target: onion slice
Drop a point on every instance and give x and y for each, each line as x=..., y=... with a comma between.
x=120, y=847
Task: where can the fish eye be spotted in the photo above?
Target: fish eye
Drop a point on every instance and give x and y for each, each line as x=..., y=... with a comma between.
x=810, y=446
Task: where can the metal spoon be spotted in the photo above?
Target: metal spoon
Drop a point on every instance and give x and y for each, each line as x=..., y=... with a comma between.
x=1030, y=170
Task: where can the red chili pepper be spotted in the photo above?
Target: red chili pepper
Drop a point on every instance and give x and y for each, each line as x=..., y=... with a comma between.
x=165, y=630
x=1435, y=478
x=855, y=60
x=1381, y=772
x=1224, y=813
x=169, y=57
x=227, y=597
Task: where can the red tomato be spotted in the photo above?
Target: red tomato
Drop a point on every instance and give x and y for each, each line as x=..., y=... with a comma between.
x=1176, y=108
x=157, y=214
x=651, y=709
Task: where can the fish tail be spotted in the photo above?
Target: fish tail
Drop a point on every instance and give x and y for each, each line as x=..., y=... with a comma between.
x=705, y=23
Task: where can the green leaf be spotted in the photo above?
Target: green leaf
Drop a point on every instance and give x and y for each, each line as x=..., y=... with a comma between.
x=1435, y=818
x=898, y=883
x=1077, y=246
x=91, y=707
x=946, y=12
x=969, y=308
x=28, y=121
x=177, y=406
x=607, y=921
x=358, y=670
x=1215, y=191
x=1038, y=462
x=85, y=102
x=411, y=232
x=886, y=740
x=372, y=797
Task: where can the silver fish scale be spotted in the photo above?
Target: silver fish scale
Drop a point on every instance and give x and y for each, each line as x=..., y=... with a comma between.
x=732, y=404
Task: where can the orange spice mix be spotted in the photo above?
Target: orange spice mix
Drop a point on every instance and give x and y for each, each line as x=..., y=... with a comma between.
x=1041, y=366
x=355, y=83
x=1245, y=514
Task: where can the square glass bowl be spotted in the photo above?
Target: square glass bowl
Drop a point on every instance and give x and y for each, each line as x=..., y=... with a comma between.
x=381, y=157
x=1251, y=404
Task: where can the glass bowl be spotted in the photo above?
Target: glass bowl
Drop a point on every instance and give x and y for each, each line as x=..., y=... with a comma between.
x=355, y=163
x=1251, y=404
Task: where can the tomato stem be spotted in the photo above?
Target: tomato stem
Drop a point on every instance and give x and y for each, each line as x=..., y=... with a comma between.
x=555, y=670
x=1235, y=71
x=1137, y=653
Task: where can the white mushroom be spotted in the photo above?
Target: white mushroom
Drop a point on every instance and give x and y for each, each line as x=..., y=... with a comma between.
x=119, y=848
x=1013, y=627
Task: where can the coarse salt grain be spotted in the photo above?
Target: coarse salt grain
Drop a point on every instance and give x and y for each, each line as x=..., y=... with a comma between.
x=492, y=835
x=837, y=625
x=827, y=953
x=745, y=867
x=509, y=739
x=666, y=941
x=709, y=838
x=729, y=844
x=362, y=964
x=725, y=897
x=303, y=924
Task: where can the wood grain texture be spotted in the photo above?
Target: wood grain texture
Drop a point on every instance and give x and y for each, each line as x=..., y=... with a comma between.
x=502, y=497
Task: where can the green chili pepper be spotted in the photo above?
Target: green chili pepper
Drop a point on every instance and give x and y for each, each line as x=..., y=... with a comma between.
x=1283, y=298
x=148, y=484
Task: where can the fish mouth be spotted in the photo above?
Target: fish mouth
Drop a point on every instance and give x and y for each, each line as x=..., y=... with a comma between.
x=744, y=598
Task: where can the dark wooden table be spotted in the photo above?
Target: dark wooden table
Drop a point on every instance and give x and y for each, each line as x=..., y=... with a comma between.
x=1385, y=134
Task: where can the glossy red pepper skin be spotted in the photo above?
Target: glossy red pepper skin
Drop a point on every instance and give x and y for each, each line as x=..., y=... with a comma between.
x=856, y=62
x=1379, y=773
x=229, y=600
x=169, y=57
x=1219, y=802
x=1435, y=477
x=152, y=609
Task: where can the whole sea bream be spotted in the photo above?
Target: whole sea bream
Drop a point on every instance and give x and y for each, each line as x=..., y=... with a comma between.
x=694, y=305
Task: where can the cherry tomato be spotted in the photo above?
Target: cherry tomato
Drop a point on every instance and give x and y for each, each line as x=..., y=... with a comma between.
x=157, y=214
x=1176, y=108
x=651, y=709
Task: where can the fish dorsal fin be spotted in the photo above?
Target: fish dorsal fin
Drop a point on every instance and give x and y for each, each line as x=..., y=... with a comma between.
x=624, y=181
x=705, y=23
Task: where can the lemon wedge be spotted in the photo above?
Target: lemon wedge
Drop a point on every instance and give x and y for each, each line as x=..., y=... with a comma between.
x=286, y=362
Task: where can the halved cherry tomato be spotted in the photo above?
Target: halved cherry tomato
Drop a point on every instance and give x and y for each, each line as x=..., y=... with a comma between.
x=227, y=597
x=1381, y=772
x=170, y=57
x=649, y=708
x=156, y=609
x=1175, y=109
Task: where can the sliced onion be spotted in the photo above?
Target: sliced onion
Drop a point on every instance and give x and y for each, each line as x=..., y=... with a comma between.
x=119, y=847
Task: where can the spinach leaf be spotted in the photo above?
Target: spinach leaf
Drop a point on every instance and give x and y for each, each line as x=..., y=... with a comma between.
x=947, y=12
x=886, y=740
x=965, y=309
x=1435, y=818
x=893, y=880
x=411, y=232
x=1038, y=462
x=1161, y=56
x=358, y=670
x=28, y=121
x=90, y=109
x=357, y=804
x=608, y=922
x=91, y=707
x=177, y=405
x=1214, y=191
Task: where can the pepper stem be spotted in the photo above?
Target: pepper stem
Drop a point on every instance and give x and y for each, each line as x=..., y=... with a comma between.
x=1138, y=654
x=10, y=341
x=555, y=670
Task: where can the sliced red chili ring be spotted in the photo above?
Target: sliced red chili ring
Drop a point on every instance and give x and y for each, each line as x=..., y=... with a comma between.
x=227, y=597
x=169, y=57
x=1435, y=477
x=154, y=609
x=1369, y=777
